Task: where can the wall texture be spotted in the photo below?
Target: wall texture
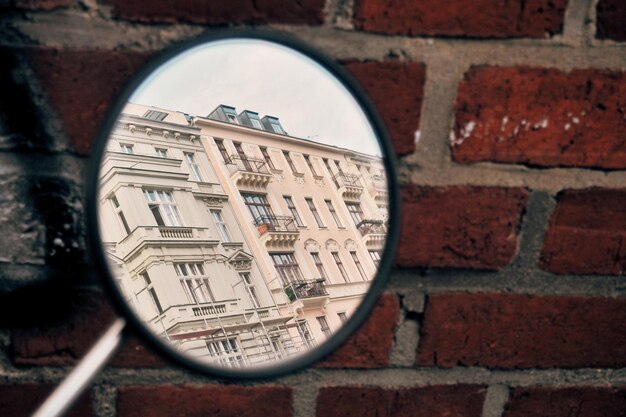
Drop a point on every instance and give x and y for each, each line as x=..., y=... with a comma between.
x=509, y=122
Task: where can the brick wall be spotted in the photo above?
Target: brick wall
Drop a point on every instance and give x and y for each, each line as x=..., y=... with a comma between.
x=509, y=121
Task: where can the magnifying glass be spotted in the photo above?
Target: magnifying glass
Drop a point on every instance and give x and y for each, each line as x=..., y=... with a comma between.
x=242, y=209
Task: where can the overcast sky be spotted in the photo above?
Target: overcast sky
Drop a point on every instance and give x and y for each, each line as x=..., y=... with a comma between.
x=265, y=78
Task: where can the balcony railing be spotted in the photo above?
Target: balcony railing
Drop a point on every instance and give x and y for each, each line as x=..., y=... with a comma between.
x=246, y=164
x=367, y=227
x=176, y=232
x=341, y=179
x=275, y=224
x=305, y=289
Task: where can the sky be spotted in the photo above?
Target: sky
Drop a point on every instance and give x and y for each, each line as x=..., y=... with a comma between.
x=266, y=78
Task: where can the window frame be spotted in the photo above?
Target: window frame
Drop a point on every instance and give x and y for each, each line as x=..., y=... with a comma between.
x=314, y=212
x=293, y=210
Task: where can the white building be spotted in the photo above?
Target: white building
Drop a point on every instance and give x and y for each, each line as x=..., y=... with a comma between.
x=235, y=241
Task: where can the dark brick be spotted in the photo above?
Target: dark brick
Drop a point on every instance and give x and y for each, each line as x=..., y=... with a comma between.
x=586, y=233
x=17, y=400
x=566, y=402
x=522, y=331
x=476, y=19
x=36, y=4
x=397, y=89
x=369, y=346
x=542, y=117
x=611, y=20
x=66, y=339
x=80, y=85
x=221, y=13
x=434, y=401
x=460, y=227
x=209, y=400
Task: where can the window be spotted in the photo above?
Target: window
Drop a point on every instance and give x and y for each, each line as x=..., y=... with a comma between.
x=161, y=153
x=221, y=225
x=287, y=267
x=267, y=158
x=319, y=265
x=342, y=317
x=195, y=169
x=358, y=265
x=305, y=333
x=324, y=326
x=333, y=213
x=232, y=118
x=120, y=214
x=242, y=156
x=250, y=288
x=163, y=208
x=355, y=212
x=307, y=158
x=314, y=212
x=290, y=162
x=259, y=208
x=126, y=148
x=220, y=147
x=276, y=127
x=151, y=292
x=195, y=284
x=256, y=123
x=293, y=211
x=226, y=352
x=342, y=269
x=155, y=115
x=375, y=255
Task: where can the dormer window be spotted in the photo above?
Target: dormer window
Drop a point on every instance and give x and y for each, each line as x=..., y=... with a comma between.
x=256, y=123
x=232, y=118
x=276, y=128
x=155, y=115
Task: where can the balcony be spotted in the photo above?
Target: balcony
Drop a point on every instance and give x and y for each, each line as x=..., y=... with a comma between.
x=248, y=173
x=308, y=294
x=277, y=231
x=187, y=321
x=374, y=232
x=348, y=185
x=144, y=237
x=378, y=190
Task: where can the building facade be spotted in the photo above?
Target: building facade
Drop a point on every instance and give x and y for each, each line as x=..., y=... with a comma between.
x=236, y=242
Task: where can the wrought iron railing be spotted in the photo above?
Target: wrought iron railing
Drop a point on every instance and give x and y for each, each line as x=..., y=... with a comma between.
x=367, y=227
x=342, y=179
x=246, y=164
x=275, y=223
x=305, y=289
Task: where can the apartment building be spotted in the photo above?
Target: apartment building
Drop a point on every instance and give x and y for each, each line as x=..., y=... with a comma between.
x=236, y=242
x=313, y=214
x=179, y=254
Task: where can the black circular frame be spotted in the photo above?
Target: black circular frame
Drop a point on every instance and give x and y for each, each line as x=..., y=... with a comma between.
x=273, y=369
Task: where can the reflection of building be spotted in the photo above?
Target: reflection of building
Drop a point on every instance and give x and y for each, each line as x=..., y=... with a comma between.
x=235, y=241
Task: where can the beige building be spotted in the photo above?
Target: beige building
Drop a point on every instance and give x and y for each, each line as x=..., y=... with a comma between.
x=235, y=241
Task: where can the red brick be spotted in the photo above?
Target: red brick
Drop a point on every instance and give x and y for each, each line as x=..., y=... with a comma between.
x=586, y=233
x=209, y=400
x=221, y=13
x=397, y=89
x=369, y=346
x=19, y=400
x=566, y=402
x=476, y=19
x=39, y=4
x=611, y=20
x=522, y=331
x=135, y=354
x=80, y=85
x=64, y=341
x=461, y=227
x=542, y=117
x=434, y=401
